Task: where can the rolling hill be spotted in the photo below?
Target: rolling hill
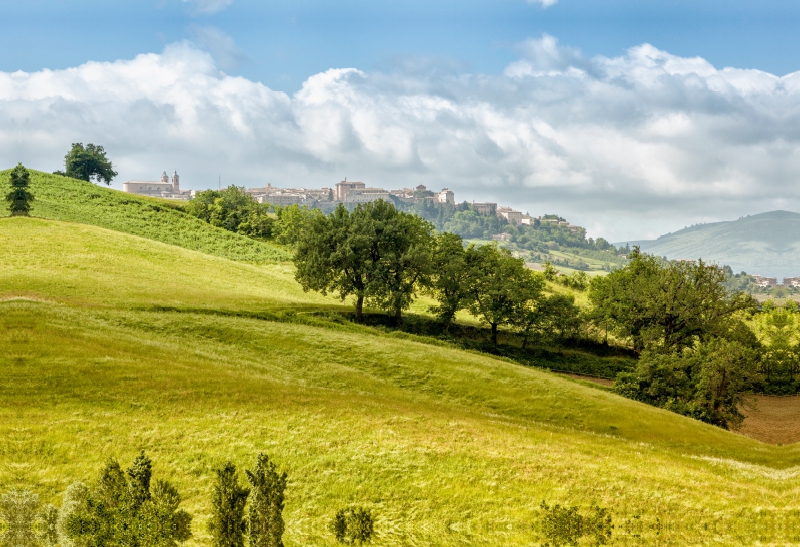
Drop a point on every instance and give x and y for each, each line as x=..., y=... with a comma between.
x=112, y=342
x=767, y=244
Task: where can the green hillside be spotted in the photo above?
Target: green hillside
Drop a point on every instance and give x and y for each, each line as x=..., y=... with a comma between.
x=63, y=198
x=446, y=447
x=766, y=244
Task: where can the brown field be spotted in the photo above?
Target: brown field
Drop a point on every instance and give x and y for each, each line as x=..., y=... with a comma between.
x=774, y=420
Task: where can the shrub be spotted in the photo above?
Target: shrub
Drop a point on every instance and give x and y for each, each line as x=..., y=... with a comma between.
x=566, y=525
x=227, y=524
x=353, y=525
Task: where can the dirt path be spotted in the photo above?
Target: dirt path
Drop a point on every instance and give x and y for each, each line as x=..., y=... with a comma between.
x=774, y=420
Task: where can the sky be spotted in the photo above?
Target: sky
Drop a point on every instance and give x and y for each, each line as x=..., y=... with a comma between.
x=631, y=118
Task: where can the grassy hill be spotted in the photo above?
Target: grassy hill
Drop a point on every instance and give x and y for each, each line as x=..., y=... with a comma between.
x=766, y=244
x=446, y=447
x=63, y=198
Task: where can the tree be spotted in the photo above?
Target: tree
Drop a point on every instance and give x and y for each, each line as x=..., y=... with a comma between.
x=499, y=286
x=375, y=252
x=89, y=162
x=450, y=275
x=668, y=306
x=227, y=524
x=265, y=513
x=706, y=382
x=20, y=198
x=123, y=510
x=235, y=210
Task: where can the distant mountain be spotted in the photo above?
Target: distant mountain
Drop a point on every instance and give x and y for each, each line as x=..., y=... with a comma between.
x=767, y=244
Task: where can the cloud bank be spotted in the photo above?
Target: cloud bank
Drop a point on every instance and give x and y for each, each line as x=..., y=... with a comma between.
x=630, y=146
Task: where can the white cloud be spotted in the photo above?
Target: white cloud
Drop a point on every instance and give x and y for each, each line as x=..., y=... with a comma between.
x=207, y=7
x=642, y=143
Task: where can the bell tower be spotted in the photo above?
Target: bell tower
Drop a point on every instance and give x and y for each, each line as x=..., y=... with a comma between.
x=176, y=187
x=164, y=178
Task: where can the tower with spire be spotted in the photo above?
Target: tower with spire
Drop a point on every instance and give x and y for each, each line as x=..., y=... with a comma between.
x=176, y=187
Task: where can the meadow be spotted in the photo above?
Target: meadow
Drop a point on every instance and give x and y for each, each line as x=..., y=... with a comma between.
x=111, y=343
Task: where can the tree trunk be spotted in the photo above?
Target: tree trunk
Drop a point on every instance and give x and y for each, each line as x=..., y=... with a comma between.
x=359, y=308
x=525, y=341
x=398, y=313
x=494, y=333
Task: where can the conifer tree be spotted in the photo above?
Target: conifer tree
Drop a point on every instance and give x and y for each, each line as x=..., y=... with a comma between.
x=19, y=198
x=265, y=513
x=227, y=524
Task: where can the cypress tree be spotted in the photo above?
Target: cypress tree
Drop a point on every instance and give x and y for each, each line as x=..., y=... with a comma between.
x=19, y=198
x=265, y=513
x=227, y=524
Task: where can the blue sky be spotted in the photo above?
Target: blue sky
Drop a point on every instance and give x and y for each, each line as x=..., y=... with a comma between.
x=281, y=43
x=620, y=115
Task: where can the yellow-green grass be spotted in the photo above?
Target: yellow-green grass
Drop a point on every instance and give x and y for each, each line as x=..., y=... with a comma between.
x=446, y=447
x=63, y=198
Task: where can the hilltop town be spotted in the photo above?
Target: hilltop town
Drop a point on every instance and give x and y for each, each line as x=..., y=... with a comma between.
x=349, y=192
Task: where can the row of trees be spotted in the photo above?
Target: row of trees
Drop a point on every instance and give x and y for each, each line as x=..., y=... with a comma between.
x=383, y=256
x=126, y=508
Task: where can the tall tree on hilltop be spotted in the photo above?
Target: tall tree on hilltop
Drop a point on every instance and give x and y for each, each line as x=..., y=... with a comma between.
x=20, y=197
x=88, y=162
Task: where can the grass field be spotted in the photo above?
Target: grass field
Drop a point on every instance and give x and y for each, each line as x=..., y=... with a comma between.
x=447, y=447
x=63, y=198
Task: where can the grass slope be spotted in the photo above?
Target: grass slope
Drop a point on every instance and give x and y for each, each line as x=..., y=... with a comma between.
x=447, y=447
x=765, y=244
x=63, y=198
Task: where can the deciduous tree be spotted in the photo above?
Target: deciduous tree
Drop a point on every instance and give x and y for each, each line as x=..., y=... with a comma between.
x=89, y=162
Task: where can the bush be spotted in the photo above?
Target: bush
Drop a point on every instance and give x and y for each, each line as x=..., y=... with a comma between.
x=353, y=525
x=566, y=526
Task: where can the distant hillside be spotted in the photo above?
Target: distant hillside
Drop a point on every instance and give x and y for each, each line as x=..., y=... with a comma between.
x=766, y=244
x=62, y=198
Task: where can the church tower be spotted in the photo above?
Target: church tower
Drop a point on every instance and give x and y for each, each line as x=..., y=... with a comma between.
x=164, y=178
x=176, y=187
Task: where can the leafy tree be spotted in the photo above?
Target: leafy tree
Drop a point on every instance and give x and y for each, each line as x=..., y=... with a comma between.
x=265, y=513
x=706, y=382
x=20, y=198
x=554, y=316
x=227, y=524
x=668, y=306
x=499, y=286
x=375, y=252
x=450, y=276
x=122, y=509
x=291, y=223
x=234, y=210
x=49, y=521
x=89, y=162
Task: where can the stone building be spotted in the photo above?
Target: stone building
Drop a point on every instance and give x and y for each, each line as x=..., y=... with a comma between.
x=165, y=188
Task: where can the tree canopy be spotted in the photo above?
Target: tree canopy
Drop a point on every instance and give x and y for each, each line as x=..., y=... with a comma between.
x=376, y=253
x=89, y=162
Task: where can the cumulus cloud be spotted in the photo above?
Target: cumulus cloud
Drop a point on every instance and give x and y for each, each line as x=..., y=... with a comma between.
x=630, y=146
x=207, y=7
